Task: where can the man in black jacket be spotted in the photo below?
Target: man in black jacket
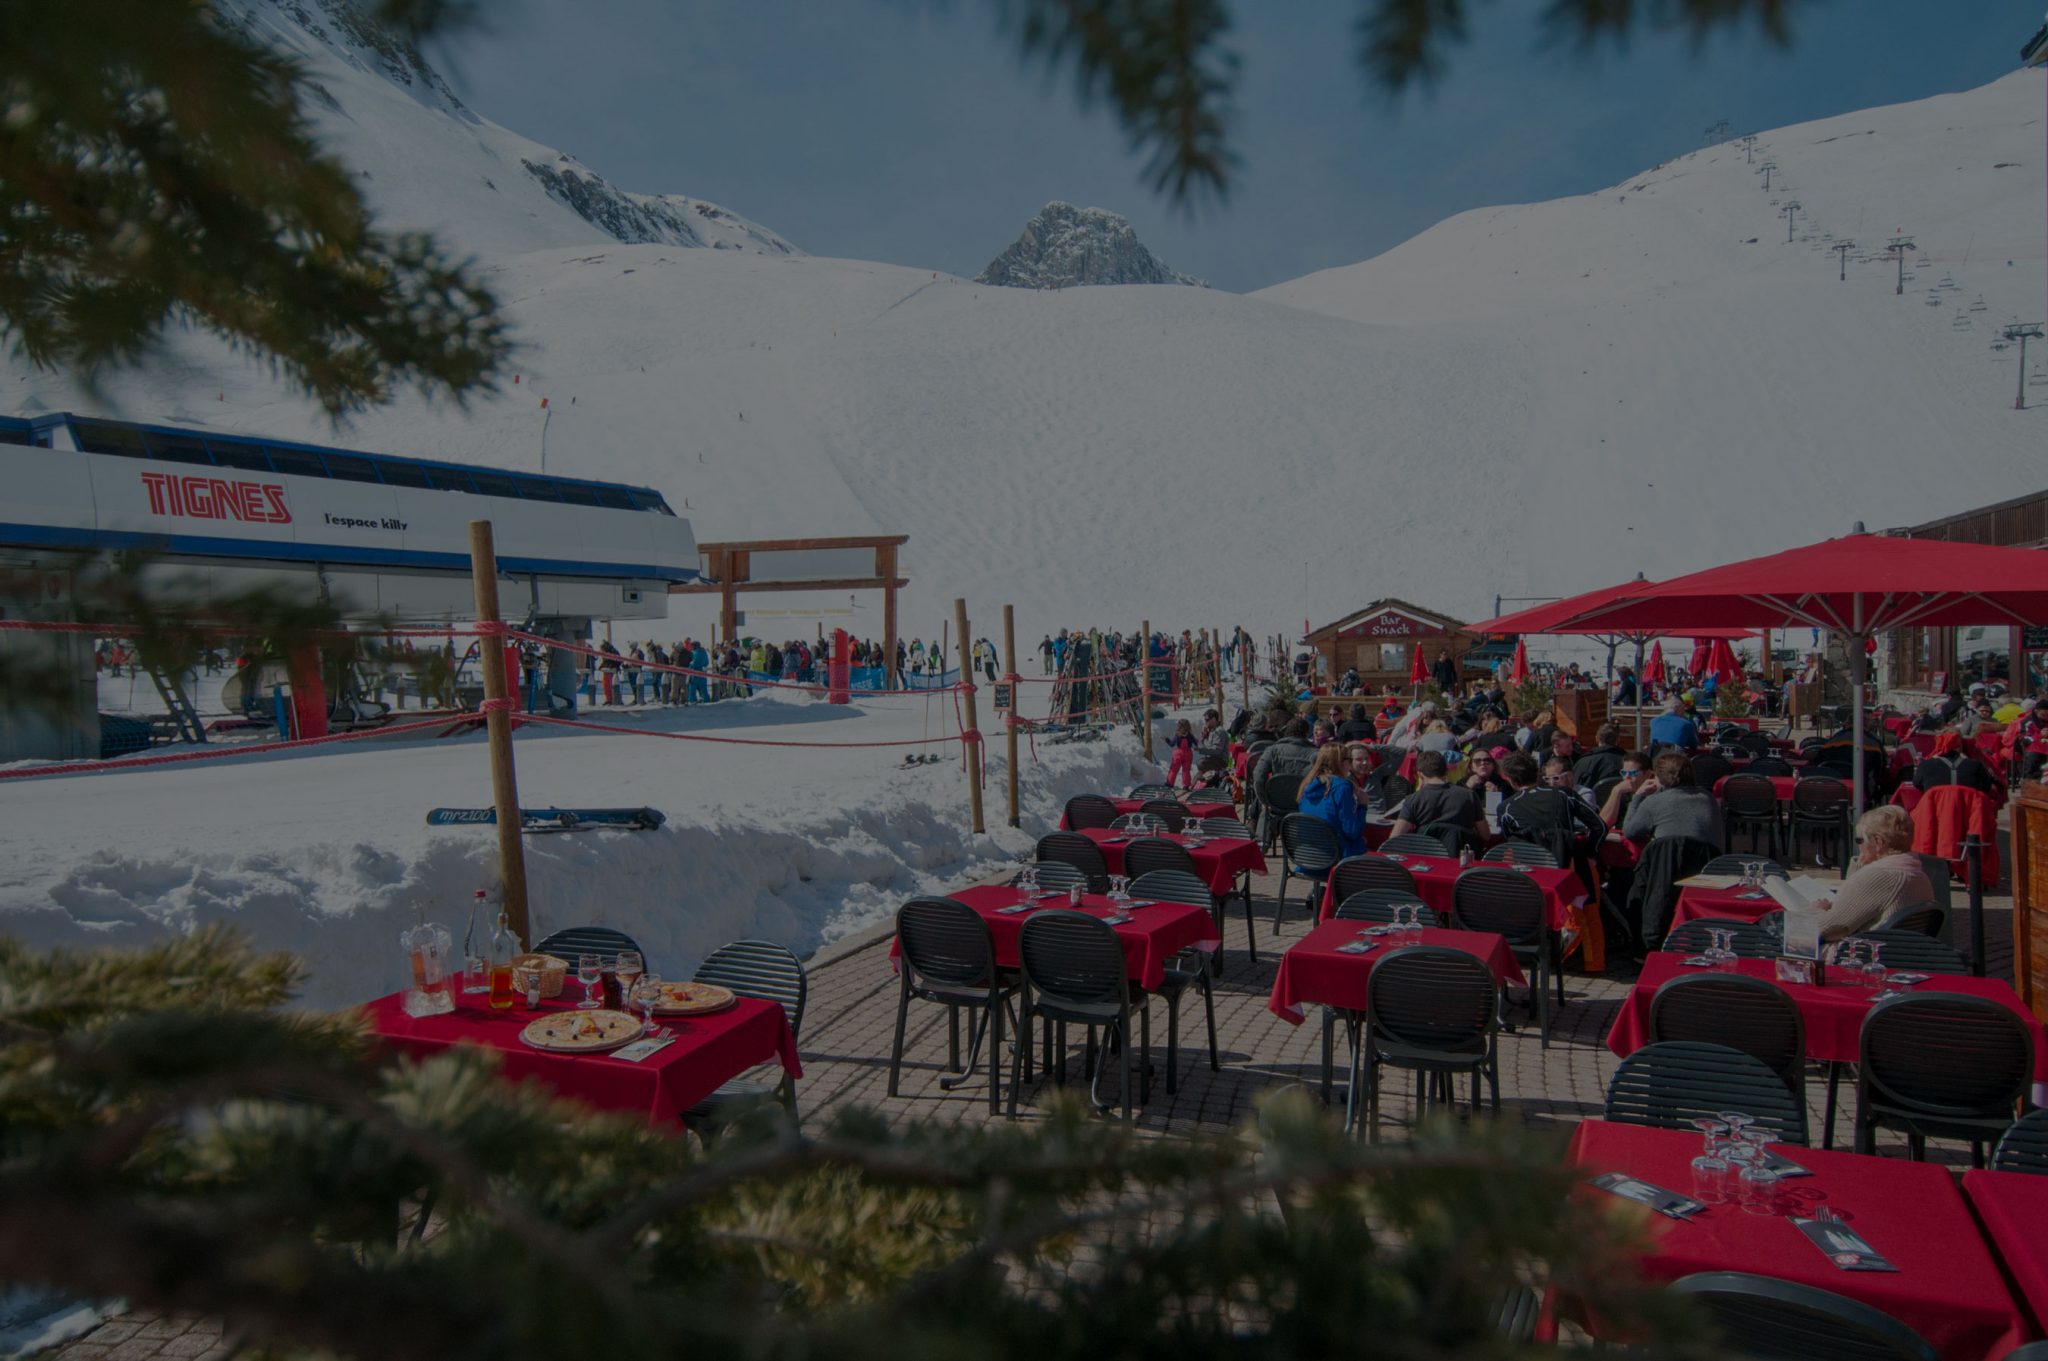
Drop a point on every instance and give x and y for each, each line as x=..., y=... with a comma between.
x=1358, y=727
x=1445, y=673
x=1603, y=762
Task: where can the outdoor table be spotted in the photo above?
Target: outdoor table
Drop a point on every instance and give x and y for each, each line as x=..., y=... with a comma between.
x=1210, y=807
x=1154, y=934
x=1742, y=904
x=1833, y=1013
x=2012, y=1207
x=1436, y=877
x=1313, y=972
x=1781, y=785
x=708, y=1052
x=1921, y=743
x=1617, y=852
x=1377, y=831
x=1898, y=725
x=1217, y=859
x=1947, y=1287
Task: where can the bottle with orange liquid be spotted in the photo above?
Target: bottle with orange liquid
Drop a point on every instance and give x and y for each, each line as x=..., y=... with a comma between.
x=504, y=945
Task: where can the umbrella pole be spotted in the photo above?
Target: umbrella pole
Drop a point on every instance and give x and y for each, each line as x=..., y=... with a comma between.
x=1639, y=692
x=1857, y=664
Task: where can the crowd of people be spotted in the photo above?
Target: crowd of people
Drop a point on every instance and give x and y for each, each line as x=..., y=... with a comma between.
x=1473, y=772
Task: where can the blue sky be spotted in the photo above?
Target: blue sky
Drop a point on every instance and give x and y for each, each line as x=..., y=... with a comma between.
x=909, y=131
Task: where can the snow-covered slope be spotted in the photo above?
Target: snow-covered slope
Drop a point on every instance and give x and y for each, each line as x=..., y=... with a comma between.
x=428, y=161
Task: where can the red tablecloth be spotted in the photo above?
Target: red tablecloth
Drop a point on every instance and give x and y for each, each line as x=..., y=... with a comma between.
x=1920, y=743
x=1898, y=725
x=1781, y=785
x=1153, y=935
x=1696, y=902
x=1436, y=876
x=1617, y=852
x=1947, y=1287
x=2012, y=1207
x=709, y=1051
x=1218, y=861
x=1833, y=1014
x=1201, y=808
x=1376, y=834
x=1313, y=972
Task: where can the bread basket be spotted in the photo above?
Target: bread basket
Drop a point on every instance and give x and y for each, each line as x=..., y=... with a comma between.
x=547, y=970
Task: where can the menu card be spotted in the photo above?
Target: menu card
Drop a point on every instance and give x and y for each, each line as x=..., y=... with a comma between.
x=1843, y=1245
x=1667, y=1203
x=640, y=1049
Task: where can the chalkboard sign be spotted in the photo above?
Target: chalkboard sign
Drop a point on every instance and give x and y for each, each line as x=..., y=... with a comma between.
x=1004, y=700
x=2034, y=639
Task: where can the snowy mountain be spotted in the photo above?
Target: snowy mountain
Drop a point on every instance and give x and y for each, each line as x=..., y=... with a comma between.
x=429, y=161
x=1064, y=247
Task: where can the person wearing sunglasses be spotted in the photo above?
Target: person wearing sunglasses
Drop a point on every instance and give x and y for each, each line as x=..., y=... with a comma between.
x=1635, y=768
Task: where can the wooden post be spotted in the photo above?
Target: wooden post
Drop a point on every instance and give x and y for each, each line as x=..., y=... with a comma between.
x=1244, y=666
x=1145, y=686
x=1010, y=719
x=973, y=748
x=483, y=575
x=887, y=554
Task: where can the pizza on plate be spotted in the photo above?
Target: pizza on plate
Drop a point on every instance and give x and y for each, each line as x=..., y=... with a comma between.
x=582, y=1032
x=685, y=999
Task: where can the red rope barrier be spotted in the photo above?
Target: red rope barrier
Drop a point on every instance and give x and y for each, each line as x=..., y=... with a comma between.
x=253, y=749
x=555, y=722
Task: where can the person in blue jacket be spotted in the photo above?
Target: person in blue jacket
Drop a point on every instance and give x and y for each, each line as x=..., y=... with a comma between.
x=1327, y=794
x=1673, y=729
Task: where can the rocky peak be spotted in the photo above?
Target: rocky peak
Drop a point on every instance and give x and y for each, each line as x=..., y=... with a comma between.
x=1065, y=246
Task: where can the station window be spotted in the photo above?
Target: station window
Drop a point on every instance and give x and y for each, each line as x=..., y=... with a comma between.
x=97, y=438
x=240, y=454
x=179, y=449
x=295, y=462
x=403, y=474
x=351, y=468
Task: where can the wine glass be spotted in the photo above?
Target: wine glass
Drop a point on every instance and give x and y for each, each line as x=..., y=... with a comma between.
x=1027, y=882
x=1757, y=1183
x=1710, y=1170
x=589, y=972
x=1119, y=887
x=647, y=992
x=1873, y=966
x=628, y=966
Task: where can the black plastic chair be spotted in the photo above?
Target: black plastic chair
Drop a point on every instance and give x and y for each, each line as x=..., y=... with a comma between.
x=1279, y=797
x=1230, y=827
x=1378, y=905
x=1452, y=840
x=1770, y=765
x=1356, y=873
x=1733, y=864
x=1755, y=743
x=1760, y=1318
x=1074, y=970
x=946, y=955
x=1820, y=809
x=1924, y=919
x=764, y=970
x=1242, y=889
x=1172, y=812
x=1411, y=843
x=1089, y=810
x=1148, y=853
x=1432, y=1011
x=1930, y=771
x=1179, y=886
x=572, y=941
x=2025, y=1146
x=1515, y=851
x=1072, y=848
x=1741, y=1012
x=1751, y=941
x=1941, y=1065
x=1058, y=874
x=1308, y=850
x=1708, y=767
x=1750, y=803
x=1672, y=1084
x=1505, y=902
x=2033, y=1351
x=1144, y=792
x=1914, y=951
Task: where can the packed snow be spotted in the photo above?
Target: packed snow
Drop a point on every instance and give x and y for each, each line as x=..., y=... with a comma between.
x=1523, y=401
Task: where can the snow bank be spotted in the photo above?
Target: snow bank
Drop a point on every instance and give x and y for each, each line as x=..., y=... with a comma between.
x=325, y=853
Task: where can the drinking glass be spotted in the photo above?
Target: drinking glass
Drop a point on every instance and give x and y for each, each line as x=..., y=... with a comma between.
x=1736, y=1121
x=589, y=972
x=1119, y=887
x=1415, y=921
x=647, y=992
x=629, y=966
x=1753, y=873
x=1710, y=1171
x=1873, y=966
x=1757, y=1184
x=1027, y=882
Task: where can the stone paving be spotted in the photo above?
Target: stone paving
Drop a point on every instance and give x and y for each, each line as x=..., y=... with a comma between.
x=851, y=1017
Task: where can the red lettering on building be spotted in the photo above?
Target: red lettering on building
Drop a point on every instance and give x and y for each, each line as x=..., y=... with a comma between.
x=216, y=498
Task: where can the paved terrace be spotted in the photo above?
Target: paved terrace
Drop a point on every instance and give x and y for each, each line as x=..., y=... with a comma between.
x=852, y=1014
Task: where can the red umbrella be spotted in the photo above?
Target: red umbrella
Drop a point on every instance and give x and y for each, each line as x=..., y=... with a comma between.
x=1519, y=671
x=1653, y=670
x=1857, y=586
x=1702, y=660
x=1417, y=672
x=1726, y=664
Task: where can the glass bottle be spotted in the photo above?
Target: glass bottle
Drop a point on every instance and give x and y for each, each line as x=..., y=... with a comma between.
x=504, y=945
x=476, y=964
x=427, y=950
